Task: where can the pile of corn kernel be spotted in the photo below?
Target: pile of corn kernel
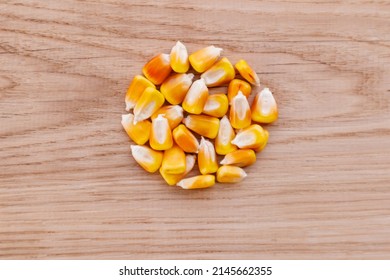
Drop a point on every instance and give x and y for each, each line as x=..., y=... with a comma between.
x=173, y=117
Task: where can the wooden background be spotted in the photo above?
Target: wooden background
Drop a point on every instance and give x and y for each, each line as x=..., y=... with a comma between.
x=70, y=189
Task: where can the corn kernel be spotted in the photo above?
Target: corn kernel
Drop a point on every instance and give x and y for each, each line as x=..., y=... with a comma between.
x=174, y=161
x=150, y=101
x=179, y=58
x=237, y=85
x=158, y=68
x=160, y=134
x=149, y=159
x=196, y=97
x=136, y=88
x=207, y=158
x=251, y=137
x=203, y=59
x=139, y=132
x=220, y=73
x=225, y=135
x=230, y=174
x=240, y=113
x=240, y=158
x=197, y=182
x=173, y=179
x=247, y=72
x=176, y=87
x=203, y=125
x=262, y=146
x=216, y=105
x=185, y=139
x=173, y=113
x=264, y=108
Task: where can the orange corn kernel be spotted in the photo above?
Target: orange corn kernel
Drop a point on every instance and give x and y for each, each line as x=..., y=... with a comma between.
x=240, y=158
x=176, y=87
x=136, y=88
x=207, y=158
x=240, y=113
x=185, y=139
x=174, y=161
x=203, y=59
x=179, y=58
x=247, y=72
x=160, y=134
x=220, y=73
x=251, y=137
x=216, y=105
x=173, y=113
x=237, y=85
x=150, y=101
x=158, y=68
x=264, y=108
x=147, y=158
x=203, y=125
x=173, y=179
x=197, y=182
x=230, y=174
x=262, y=146
x=225, y=135
x=139, y=132
x=196, y=97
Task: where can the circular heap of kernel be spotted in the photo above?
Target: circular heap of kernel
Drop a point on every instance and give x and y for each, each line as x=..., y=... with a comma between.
x=176, y=121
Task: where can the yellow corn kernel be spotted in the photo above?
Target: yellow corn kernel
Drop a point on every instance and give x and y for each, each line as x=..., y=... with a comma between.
x=203, y=59
x=237, y=85
x=220, y=73
x=160, y=134
x=138, y=132
x=264, y=108
x=185, y=139
x=262, y=146
x=175, y=87
x=196, y=97
x=174, y=161
x=203, y=125
x=136, y=88
x=179, y=58
x=240, y=113
x=207, y=158
x=150, y=101
x=225, y=135
x=173, y=179
x=251, y=137
x=247, y=72
x=149, y=159
x=173, y=113
x=230, y=174
x=216, y=105
x=197, y=182
x=240, y=158
x=158, y=68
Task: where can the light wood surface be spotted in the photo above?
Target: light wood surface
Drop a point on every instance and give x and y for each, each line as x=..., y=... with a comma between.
x=69, y=188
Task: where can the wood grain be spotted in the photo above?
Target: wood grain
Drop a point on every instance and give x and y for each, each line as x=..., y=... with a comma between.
x=70, y=189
